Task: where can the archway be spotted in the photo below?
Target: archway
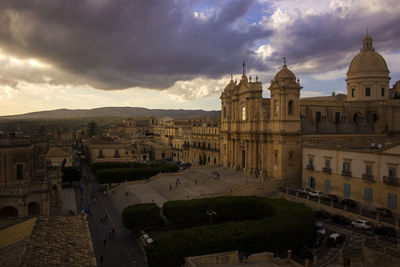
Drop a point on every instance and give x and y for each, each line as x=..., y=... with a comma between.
x=8, y=211
x=357, y=118
x=33, y=208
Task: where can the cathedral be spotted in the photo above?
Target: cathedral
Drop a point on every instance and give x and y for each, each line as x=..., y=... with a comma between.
x=264, y=136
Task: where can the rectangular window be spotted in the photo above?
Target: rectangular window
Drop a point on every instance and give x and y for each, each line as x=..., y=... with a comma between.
x=337, y=117
x=392, y=172
x=347, y=190
x=392, y=201
x=311, y=182
x=383, y=92
x=352, y=92
x=327, y=186
x=20, y=171
x=346, y=166
x=367, y=91
x=368, y=194
x=368, y=169
x=328, y=163
x=310, y=161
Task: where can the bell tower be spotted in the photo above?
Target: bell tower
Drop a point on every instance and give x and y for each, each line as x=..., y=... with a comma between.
x=285, y=128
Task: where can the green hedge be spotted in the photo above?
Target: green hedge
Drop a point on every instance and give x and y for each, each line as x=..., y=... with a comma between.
x=141, y=216
x=105, y=176
x=70, y=174
x=292, y=226
x=227, y=208
x=108, y=172
x=116, y=165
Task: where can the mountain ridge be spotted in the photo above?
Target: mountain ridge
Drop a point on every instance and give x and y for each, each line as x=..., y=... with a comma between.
x=114, y=112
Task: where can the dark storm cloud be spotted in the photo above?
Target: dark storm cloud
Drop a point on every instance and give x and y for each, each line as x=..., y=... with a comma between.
x=116, y=44
x=330, y=41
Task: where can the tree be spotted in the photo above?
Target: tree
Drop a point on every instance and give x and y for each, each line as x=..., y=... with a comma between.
x=92, y=128
x=70, y=174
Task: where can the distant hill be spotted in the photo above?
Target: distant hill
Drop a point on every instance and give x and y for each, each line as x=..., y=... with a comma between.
x=114, y=112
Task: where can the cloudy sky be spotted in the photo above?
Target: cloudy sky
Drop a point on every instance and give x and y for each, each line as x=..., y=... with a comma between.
x=179, y=53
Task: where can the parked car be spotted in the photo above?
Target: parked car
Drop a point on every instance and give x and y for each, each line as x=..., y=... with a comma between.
x=316, y=242
x=320, y=228
x=303, y=190
x=339, y=219
x=332, y=197
x=383, y=212
x=362, y=224
x=385, y=231
x=313, y=193
x=349, y=202
x=305, y=253
x=335, y=239
x=322, y=214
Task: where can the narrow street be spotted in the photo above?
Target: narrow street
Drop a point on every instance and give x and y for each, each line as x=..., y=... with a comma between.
x=118, y=250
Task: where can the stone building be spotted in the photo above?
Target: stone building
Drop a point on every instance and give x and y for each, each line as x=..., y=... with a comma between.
x=368, y=175
x=201, y=144
x=265, y=135
x=28, y=186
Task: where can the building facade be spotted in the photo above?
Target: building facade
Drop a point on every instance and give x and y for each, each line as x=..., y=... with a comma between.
x=264, y=136
x=368, y=175
x=28, y=185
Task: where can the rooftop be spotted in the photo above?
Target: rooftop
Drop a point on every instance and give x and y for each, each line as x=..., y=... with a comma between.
x=48, y=241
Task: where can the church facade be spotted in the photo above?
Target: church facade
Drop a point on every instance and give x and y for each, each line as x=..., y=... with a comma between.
x=264, y=136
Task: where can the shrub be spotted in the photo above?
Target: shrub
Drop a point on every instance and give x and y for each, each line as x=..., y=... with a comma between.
x=104, y=176
x=227, y=208
x=292, y=226
x=116, y=172
x=141, y=216
x=70, y=174
x=116, y=165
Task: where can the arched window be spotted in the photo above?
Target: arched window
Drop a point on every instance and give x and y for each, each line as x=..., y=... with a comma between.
x=276, y=157
x=291, y=157
x=276, y=107
x=243, y=113
x=290, y=107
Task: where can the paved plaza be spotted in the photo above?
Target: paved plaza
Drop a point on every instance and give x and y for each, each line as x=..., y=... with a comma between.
x=193, y=183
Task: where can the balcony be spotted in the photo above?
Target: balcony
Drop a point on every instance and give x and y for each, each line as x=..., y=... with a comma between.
x=391, y=180
x=368, y=177
x=326, y=170
x=346, y=173
x=310, y=167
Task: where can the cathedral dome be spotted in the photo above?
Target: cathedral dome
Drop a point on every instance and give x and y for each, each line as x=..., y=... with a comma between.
x=285, y=74
x=367, y=60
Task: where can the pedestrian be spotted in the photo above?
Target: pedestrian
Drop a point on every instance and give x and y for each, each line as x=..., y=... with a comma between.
x=101, y=220
x=170, y=187
x=344, y=262
x=195, y=182
x=105, y=217
x=113, y=233
x=105, y=192
x=218, y=176
x=105, y=242
x=240, y=255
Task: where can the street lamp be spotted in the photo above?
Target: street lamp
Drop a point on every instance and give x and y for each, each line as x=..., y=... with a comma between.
x=211, y=213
